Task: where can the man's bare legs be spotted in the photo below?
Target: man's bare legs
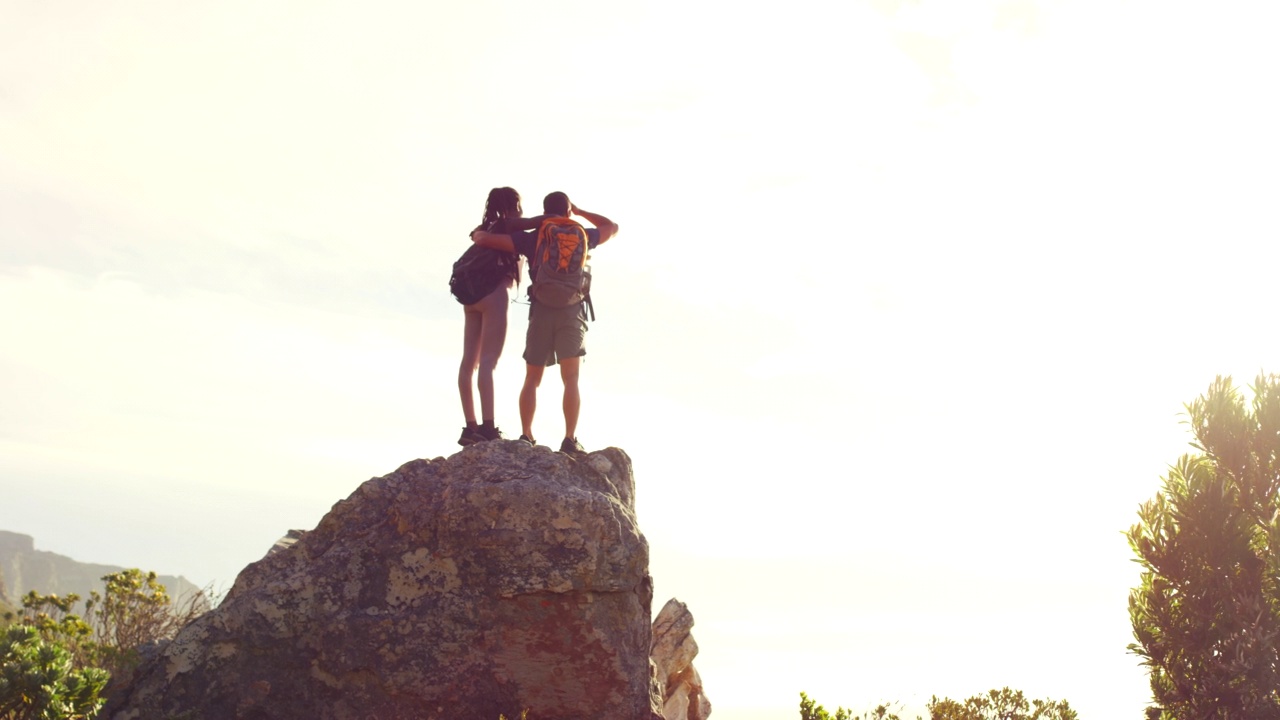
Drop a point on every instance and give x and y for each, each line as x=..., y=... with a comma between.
x=529, y=397
x=572, y=400
x=569, y=368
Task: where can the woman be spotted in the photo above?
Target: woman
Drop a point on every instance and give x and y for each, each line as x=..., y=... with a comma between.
x=486, y=321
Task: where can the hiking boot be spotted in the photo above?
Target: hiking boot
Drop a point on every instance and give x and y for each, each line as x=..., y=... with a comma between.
x=571, y=446
x=488, y=432
x=470, y=436
x=526, y=439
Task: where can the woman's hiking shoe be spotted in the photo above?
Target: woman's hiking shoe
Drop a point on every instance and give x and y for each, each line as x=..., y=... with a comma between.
x=471, y=435
x=527, y=439
x=571, y=446
x=488, y=432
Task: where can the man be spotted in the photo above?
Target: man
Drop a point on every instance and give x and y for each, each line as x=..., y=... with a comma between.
x=555, y=334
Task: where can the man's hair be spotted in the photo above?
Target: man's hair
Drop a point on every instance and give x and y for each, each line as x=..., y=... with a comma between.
x=557, y=203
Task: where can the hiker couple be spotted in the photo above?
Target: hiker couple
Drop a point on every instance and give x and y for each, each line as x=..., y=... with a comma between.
x=556, y=247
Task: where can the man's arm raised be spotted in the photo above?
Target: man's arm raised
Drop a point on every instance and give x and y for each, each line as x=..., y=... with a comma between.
x=607, y=227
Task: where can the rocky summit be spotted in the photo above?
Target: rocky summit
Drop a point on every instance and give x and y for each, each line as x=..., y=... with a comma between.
x=504, y=579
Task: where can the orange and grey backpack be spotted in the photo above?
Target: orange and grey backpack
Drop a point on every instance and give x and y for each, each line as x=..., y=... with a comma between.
x=559, y=268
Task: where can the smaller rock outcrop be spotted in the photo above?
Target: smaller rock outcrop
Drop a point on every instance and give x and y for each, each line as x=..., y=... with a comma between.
x=673, y=651
x=286, y=542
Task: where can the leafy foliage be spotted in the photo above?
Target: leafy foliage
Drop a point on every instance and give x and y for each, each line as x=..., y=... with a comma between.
x=1004, y=704
x=1206, y=615
x=133, y=611
x=809, y=710
x=55, y=663
x=39, y=682
x=52, y=618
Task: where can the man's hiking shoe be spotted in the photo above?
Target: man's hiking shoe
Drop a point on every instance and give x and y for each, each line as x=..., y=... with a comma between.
x=527, y=439
x=488, y=432
x=571, y=446
x=471, y=435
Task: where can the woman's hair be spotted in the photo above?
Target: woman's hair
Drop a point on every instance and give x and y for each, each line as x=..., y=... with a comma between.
x=502, y=203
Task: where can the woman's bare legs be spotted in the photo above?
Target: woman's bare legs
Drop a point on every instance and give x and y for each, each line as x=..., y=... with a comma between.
x=483, y=337
x=474, y=322
x=493, y=335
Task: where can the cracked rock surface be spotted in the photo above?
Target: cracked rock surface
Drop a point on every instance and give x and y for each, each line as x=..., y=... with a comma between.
x=504, y=578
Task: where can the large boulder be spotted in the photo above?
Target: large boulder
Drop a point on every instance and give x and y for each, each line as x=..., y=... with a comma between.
x=673, y=652
x=505, y=578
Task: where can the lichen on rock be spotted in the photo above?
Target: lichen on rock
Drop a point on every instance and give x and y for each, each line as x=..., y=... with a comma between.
x=501, y=579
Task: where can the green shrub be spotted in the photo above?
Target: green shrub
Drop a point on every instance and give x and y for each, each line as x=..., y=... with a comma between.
x=1206, y=615
x=133, y=610
x=810, y=710
x=52, y=618
x=38, y=680
x=1004, y=704
x=8, y=614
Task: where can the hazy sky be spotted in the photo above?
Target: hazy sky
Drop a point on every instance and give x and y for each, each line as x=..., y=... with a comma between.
x=905, y=304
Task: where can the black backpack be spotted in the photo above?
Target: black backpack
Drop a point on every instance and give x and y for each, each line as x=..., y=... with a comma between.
x=479, y=272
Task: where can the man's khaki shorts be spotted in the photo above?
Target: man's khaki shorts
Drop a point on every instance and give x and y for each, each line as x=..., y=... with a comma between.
x=555, y=333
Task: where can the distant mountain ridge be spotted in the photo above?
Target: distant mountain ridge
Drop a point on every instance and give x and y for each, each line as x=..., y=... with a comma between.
x=23, y=569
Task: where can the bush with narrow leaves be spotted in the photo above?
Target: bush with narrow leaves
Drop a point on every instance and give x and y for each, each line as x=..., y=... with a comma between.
x=1003, y=704
x=134, y=610
x=38, y=680
x=1206, y=615
x=810, y=710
